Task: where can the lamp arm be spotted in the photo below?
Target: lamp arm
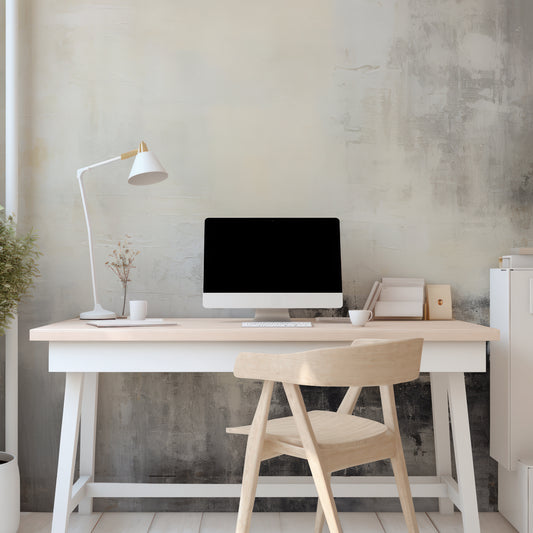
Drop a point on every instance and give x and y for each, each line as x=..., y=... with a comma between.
x=101, y=164
x=125, y=155
x=80, y=173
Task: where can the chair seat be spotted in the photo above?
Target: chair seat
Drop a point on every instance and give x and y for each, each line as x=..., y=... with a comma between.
x=331, y=430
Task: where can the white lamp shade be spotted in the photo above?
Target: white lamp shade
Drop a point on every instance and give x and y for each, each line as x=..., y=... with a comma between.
x=146, y=170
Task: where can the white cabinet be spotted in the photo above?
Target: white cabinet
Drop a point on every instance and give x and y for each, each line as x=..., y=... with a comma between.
x=515, y=489
x=511, y=389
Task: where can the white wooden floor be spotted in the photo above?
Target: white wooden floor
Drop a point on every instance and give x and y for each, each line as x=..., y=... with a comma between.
x=261, y=523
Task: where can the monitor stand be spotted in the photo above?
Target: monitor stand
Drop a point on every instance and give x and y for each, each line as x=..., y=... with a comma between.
x=272, y=315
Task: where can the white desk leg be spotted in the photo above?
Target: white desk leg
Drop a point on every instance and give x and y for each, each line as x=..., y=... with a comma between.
x=67, y=451
x=463, y=451
x=441, y=431
x=89, y=403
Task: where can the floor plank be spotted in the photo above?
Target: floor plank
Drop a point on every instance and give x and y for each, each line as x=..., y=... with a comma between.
x=296, y=522
x=350, y=522
x=495, y=523
x=395, y=523
x=261, y=523
x=83, y=523
x=360, y=523
x=265, y=523
x=489, y=522
x=447, y=523
x=226, y=522
x=124, y=523
x=176, y=523
x=218, y=523
x=35, y=523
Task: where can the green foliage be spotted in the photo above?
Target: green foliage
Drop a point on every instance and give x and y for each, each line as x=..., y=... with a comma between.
x=18, y=268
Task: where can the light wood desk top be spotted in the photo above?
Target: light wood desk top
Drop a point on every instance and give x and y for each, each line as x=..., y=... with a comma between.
x=230, y=330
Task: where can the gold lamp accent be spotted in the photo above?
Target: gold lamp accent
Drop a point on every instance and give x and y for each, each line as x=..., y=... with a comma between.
x=131, y=153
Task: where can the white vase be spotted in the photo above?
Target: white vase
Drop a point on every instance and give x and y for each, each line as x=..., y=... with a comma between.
x=9, y=493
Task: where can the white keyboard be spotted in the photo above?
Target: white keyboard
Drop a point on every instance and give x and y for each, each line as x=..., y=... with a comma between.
x=276, y=324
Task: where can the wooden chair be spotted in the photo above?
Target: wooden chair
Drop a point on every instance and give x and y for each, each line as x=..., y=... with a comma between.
x=330, y=441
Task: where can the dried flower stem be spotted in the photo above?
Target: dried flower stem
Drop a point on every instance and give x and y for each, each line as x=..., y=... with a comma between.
x=121, y=264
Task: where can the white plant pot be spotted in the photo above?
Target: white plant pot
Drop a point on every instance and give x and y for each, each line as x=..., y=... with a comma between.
x=9, y=493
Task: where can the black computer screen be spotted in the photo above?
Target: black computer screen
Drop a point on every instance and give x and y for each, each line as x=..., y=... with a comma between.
x=272, y=255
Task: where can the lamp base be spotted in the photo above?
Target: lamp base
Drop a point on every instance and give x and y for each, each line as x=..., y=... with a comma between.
x=98, y=313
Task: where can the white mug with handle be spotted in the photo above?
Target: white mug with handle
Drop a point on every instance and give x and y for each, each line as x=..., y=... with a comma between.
x=360, y=317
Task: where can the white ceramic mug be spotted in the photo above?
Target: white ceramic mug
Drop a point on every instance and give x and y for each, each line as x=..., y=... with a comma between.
x=360, y=317
x=138, y=309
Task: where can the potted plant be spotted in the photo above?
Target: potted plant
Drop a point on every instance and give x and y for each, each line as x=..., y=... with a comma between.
x=18, y=268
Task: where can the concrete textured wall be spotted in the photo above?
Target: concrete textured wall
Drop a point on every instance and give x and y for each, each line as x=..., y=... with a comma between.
x=410, y=120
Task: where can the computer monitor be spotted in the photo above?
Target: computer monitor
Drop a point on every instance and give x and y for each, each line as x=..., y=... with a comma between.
x=272, y=264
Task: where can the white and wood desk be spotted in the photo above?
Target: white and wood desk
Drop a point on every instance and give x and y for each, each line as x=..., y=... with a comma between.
x=211, y=345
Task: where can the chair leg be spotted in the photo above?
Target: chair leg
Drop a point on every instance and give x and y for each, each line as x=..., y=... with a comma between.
x=320, y=476
x=252, y=462
x=252, y=459
x=326, y=503
x=319, y=517
x=404, y=490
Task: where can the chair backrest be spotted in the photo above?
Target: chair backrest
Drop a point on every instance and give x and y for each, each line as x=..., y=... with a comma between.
x=367, y=362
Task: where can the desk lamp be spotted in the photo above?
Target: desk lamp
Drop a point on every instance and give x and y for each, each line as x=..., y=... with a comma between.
x=146, y=169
